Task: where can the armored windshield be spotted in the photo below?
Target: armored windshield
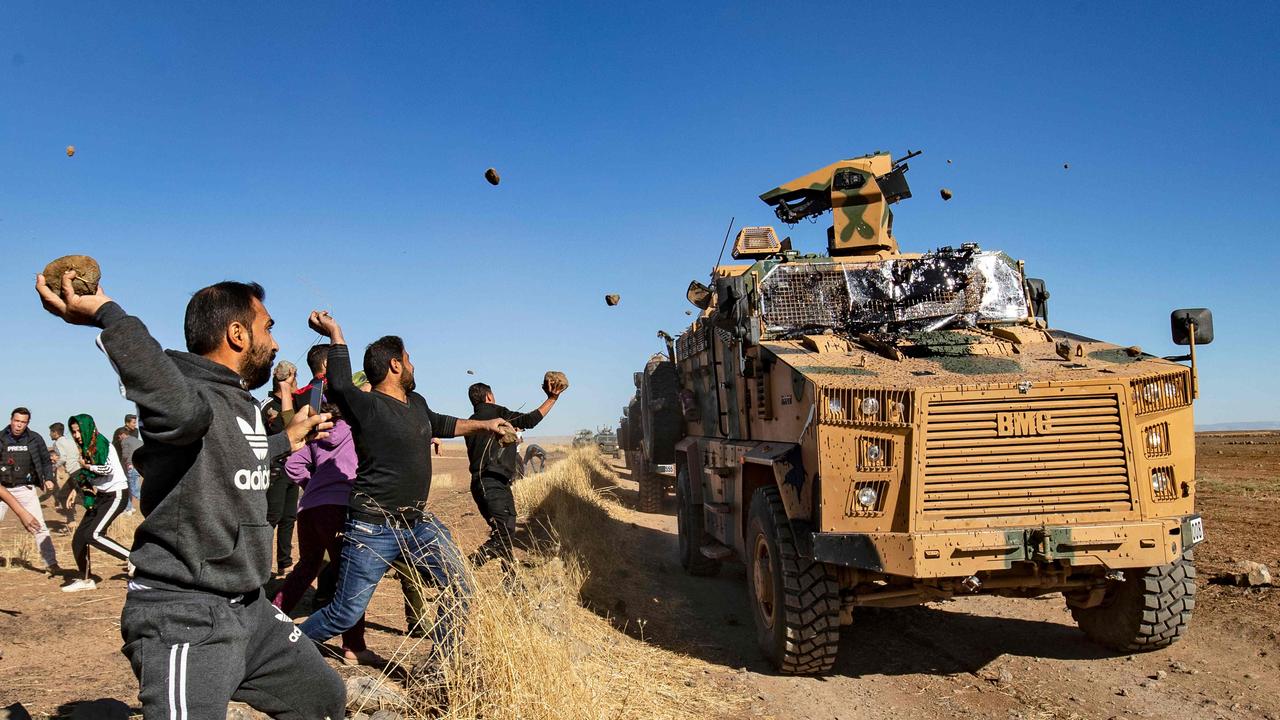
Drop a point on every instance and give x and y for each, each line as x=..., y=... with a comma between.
x=947, y=288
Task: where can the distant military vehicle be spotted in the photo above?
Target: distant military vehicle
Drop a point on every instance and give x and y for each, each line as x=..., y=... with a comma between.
x=874, y=428
x=607, y=440
x=603, y=438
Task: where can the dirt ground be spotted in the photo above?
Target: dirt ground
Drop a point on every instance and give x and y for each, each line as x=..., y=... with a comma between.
x=978, y=657
x=1007, y=658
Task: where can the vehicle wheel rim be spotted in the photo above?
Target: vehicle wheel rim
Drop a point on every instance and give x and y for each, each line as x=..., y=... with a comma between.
x=762, y=577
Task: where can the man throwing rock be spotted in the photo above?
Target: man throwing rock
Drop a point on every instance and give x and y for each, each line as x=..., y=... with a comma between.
x=196, y=628
x=494, y=466
x=388, y=517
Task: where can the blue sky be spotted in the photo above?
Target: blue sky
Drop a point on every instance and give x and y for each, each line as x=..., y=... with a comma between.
x=335, y=152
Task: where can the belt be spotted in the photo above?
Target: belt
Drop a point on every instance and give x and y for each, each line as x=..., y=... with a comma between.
x=151, y=583
x=388, y=519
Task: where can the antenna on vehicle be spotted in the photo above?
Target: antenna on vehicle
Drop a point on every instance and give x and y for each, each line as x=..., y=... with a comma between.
x=724, y=244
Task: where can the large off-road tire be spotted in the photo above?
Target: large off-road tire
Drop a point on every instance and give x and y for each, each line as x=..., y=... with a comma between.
x=1149, y=610
x=653, y=488
x=795, y=601
x=691, y=531
x=663, y=422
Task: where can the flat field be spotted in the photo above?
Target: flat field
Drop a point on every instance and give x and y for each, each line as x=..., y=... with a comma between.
x=976, y=657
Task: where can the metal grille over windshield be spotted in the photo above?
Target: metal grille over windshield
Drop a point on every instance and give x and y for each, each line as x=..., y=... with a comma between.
x=934, y=291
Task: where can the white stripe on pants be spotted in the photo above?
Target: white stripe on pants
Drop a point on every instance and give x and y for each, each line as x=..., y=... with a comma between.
x=178, y=681
x=103, y=541
x=30, y=499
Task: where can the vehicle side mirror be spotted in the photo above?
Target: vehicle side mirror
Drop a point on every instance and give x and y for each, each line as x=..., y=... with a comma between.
x=1039, y=295
x=1180, y=322
x=699, y=295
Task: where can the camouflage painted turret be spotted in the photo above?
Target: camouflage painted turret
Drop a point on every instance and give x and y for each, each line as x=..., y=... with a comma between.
x=858, y=192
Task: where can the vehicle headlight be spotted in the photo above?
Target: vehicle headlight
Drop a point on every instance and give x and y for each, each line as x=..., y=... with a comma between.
x=1151, y=392
x=874, y=453
x=1158, y=394
x=834, y=406
x=867, y=497
x=869, y=407
x=1154, y=441
x=1161, y=482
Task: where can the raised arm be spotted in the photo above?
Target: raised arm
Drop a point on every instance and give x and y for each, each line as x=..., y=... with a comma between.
x=354, y=403
x=530, y=419
x=172, y=410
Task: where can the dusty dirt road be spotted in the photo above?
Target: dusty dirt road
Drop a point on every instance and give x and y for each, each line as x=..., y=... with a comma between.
x=1005, y=658
x=979, y=657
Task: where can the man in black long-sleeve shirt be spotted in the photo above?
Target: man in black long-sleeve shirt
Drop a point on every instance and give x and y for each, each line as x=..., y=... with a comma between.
x=493, y=466
x=387, y=517
x=196, y=628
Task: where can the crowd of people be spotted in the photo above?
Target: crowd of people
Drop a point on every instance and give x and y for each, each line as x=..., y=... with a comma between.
x=224, y=482
x=81, y=469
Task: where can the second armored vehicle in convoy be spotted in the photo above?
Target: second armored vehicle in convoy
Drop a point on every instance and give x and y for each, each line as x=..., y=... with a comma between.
x=654, y=425
x=874, y=428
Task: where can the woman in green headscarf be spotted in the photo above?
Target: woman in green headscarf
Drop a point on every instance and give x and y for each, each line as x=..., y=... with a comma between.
x=106, y=488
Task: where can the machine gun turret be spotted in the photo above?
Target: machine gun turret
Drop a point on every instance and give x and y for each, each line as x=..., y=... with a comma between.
x=858, y=192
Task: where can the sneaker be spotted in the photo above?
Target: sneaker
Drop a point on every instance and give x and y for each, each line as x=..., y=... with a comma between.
x=53, y=570
x=78, y=585
x=130, y=568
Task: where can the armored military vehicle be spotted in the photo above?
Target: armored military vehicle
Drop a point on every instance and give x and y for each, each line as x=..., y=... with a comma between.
x=874, y=428
x=654, y=425
x=583, y=438
x=607, y=440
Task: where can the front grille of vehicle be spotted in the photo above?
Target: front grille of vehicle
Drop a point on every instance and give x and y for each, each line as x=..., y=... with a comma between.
x=1020, y=457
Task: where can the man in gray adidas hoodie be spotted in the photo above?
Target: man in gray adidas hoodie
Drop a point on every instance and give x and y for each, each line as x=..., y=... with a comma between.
x=196, y=627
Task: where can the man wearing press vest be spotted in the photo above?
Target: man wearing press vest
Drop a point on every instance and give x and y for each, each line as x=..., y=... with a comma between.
x=26, y=471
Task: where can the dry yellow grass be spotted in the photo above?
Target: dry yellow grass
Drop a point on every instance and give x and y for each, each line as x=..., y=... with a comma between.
x=531, y=650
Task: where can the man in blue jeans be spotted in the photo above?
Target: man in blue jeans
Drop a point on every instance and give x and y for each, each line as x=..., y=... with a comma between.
x=127, y=445
x=387, y=517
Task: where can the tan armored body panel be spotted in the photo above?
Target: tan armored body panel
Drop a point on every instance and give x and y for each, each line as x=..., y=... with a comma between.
x=908, y=429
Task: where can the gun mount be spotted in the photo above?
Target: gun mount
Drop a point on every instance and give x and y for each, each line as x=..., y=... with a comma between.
x=858, y=192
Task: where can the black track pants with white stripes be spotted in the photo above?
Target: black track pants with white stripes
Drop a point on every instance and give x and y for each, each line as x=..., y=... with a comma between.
x=193, y=653
x=92, y=531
